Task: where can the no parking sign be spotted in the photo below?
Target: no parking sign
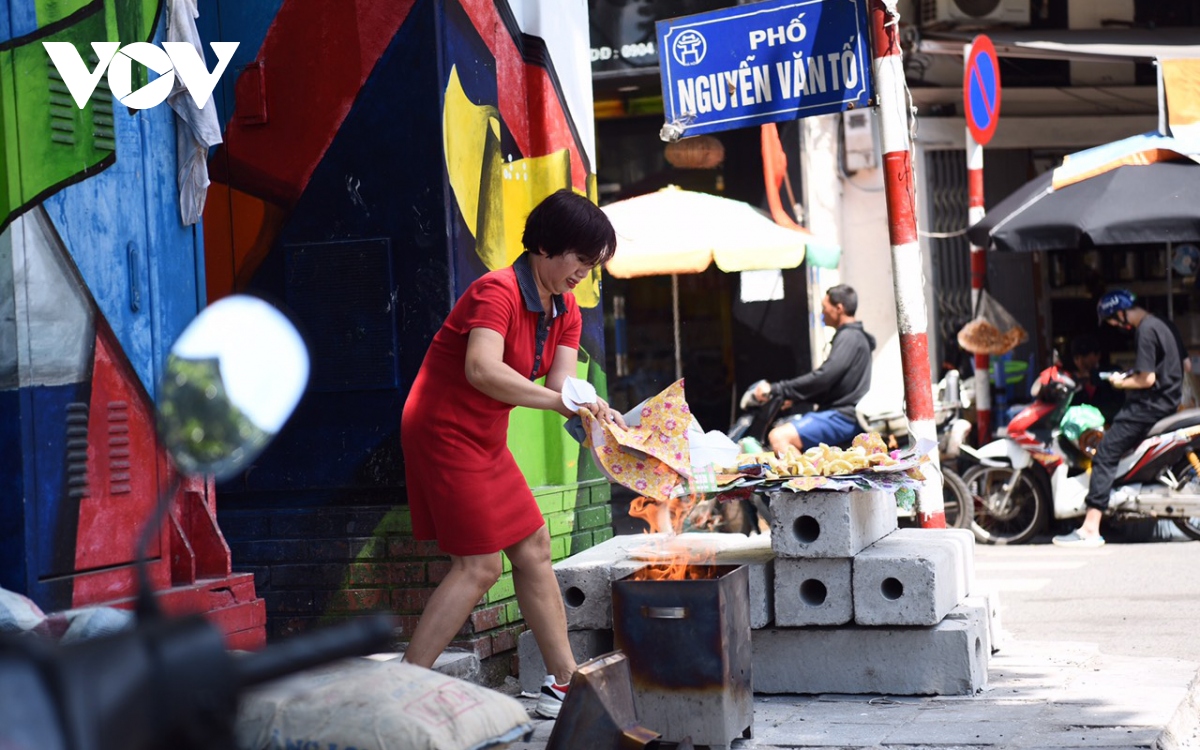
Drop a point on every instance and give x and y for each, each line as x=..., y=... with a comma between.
x=981, y=90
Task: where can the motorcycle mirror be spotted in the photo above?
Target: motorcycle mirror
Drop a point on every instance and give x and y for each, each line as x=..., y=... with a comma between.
x=232, y=379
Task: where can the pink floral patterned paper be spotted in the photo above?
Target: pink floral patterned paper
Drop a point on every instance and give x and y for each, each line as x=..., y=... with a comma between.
x=653, y=458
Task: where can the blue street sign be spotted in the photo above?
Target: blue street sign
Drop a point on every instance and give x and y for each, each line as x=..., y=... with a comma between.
x=981, y=90
x=763, y=62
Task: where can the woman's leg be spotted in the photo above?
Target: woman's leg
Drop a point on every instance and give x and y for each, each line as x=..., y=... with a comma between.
x=468, y=580
x=541, y=602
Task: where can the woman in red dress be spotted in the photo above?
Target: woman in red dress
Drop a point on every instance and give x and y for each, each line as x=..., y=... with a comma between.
x=510, y=328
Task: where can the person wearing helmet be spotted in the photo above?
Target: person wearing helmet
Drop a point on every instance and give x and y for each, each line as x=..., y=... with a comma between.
x=1153, y=388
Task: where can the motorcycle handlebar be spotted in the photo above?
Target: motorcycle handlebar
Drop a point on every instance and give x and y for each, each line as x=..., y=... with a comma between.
x=355, y=638
x=168, y=682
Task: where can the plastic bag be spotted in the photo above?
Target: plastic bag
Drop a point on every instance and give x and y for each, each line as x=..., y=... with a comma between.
x=1079, y=419
x=993, y=331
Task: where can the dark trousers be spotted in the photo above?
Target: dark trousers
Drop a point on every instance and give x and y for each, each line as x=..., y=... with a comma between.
x=1125, y=433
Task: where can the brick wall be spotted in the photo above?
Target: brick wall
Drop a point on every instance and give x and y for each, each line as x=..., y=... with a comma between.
x=318, y=565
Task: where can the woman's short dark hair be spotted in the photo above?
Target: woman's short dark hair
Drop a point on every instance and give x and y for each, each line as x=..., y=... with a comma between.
x=567, y=222
x=845, y=296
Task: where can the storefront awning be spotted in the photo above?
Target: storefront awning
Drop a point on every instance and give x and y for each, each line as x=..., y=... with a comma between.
x=1112, y=45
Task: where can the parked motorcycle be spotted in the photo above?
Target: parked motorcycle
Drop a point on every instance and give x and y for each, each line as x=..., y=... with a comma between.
x=952, y=430
x=1038, y=473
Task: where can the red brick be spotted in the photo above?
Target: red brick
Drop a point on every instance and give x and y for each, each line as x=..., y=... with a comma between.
x=429, y=549
x=487, y=619
x=438, y=570
x=358, y=600
x=481, y=645
x=385, y=574
x=404, y=548
x=410, y=601
x=505, y=640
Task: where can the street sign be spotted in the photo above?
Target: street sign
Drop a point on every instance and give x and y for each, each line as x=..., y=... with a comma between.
x=981, y=90
x=763, y=62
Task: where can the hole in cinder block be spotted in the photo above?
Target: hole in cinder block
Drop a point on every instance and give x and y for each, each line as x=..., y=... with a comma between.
x=813, y=592
x=978, y=648
x=574, y=597
x=806, y=529
x=891, y=588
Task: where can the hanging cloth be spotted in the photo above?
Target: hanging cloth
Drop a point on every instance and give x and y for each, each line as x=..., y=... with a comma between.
x=198, y=130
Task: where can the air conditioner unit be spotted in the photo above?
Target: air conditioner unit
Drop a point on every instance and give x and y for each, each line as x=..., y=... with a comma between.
x=976, y=12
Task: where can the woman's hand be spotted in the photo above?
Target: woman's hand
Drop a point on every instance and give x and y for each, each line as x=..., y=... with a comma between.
x=606, y=413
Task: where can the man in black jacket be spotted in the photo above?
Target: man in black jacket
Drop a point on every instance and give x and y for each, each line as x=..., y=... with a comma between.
x=835, y=387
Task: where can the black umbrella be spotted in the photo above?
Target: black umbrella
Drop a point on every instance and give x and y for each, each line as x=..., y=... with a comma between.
x=1158, y=202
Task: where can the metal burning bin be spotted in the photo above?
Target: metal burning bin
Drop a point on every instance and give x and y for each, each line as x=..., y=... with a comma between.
x=688, y=646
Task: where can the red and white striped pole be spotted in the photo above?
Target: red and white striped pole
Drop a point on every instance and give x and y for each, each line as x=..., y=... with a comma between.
x=975, y=211
x=900, y=192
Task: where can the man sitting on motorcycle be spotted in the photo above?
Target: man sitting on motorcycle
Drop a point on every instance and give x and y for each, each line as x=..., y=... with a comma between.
x=836, y=386
x=1153, y=389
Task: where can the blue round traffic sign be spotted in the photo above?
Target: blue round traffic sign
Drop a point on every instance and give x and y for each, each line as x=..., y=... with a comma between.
x=981, y=89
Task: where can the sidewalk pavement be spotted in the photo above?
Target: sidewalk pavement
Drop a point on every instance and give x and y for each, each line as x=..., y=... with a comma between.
x=1039, y=695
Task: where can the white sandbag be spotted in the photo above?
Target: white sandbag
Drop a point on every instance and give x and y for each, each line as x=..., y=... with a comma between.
x=18, y=614
x=95, y=622
x=361, y=704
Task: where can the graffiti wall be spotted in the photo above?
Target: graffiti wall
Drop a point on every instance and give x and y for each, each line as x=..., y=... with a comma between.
x=363, y=188
x=97, y=276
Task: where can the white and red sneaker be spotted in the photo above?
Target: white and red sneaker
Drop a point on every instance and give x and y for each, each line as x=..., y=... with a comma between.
x=551, y=699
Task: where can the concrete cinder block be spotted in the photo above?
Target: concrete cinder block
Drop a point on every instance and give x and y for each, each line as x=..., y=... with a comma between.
x=975, y=609
x=989, y=600
x=949, y=658
x=829, y=524
x=761, y=564
x=962, y=537
x=901, y=581
x=585, y=644
x=585, y=579
x=587, y=591
x=813, y=591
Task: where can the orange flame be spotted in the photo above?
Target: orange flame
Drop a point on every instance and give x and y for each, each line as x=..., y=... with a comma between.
x=682, y=561
x=679, y=569
x=663, y=517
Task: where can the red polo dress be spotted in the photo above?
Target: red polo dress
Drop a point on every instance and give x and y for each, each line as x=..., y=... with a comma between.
x=464, y=487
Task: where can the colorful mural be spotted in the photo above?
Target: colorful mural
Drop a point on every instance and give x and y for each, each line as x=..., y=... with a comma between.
x=378, y=157
x=97, y=276
x=364, y=189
